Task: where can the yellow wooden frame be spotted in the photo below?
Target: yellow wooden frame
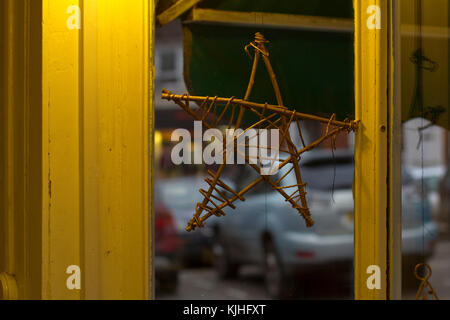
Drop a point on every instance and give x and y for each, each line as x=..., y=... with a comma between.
x=176, y=10
x=294, y=21
x=377, y=153
x=20, y=149
x=269, y=20
x=96, y=148
x=78, y=138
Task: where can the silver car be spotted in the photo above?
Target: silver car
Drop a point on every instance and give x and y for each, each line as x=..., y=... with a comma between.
x=180, y=195
x=265, y=230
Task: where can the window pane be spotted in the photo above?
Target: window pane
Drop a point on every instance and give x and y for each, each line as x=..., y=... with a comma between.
x=168, y=61
x=262, y=248
x=425, y=105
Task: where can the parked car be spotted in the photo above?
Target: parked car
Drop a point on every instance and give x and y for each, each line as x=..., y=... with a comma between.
x=167, y=245
x=432, y=177
x=180, y=195
x=266, y=231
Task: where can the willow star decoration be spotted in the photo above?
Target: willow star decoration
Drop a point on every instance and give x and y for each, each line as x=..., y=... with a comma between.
x=212, y=110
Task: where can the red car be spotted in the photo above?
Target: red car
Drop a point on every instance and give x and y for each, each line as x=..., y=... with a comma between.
x=167, y=244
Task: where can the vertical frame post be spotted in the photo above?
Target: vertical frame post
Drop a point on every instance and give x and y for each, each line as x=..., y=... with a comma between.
x=76, y=119
x=96, y=147
x=20, y=149
x=377, y=151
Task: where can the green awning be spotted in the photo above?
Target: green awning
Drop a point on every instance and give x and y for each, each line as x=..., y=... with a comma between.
x=315, y=69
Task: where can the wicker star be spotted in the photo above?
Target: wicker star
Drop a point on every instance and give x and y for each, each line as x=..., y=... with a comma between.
x=211, y=112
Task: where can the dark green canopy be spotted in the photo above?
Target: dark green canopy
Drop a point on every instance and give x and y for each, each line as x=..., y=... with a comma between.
x=314, y=69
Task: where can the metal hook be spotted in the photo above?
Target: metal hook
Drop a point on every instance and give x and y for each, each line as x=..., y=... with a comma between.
x=424, y=282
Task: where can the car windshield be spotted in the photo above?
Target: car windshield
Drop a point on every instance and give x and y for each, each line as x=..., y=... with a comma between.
x=326, y=174
x=181, y=193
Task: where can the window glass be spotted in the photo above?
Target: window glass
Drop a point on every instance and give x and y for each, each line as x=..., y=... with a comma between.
x=168, y=61
x=262, y=248
x=425, y=108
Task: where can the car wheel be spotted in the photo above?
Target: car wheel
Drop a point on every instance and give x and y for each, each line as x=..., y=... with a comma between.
x=409, y=280
x=277, y=284
x=225, y=268
x=171, y=285
x=166, y=282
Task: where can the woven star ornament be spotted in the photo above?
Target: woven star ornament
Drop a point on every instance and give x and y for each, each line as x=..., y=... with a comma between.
x=211, y=112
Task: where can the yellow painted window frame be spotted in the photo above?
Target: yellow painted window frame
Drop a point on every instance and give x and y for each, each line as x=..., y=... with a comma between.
x=20, y=149
x=97, y=133
x=77, y=119
x=377, y=153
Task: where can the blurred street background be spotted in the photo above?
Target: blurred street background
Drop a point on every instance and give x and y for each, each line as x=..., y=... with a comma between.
x=203, y=283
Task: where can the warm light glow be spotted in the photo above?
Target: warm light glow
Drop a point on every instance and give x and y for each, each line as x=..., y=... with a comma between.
x=158, y=138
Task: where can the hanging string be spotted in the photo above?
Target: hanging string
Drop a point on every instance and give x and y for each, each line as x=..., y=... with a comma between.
x=265, y=185
x=417, y=106
x=422, y=198
x=425, y=287
x=333, y=147
x=418, y=58
x=265, y=205
x=334, y=175
x=421, y=62
x=420, y=89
